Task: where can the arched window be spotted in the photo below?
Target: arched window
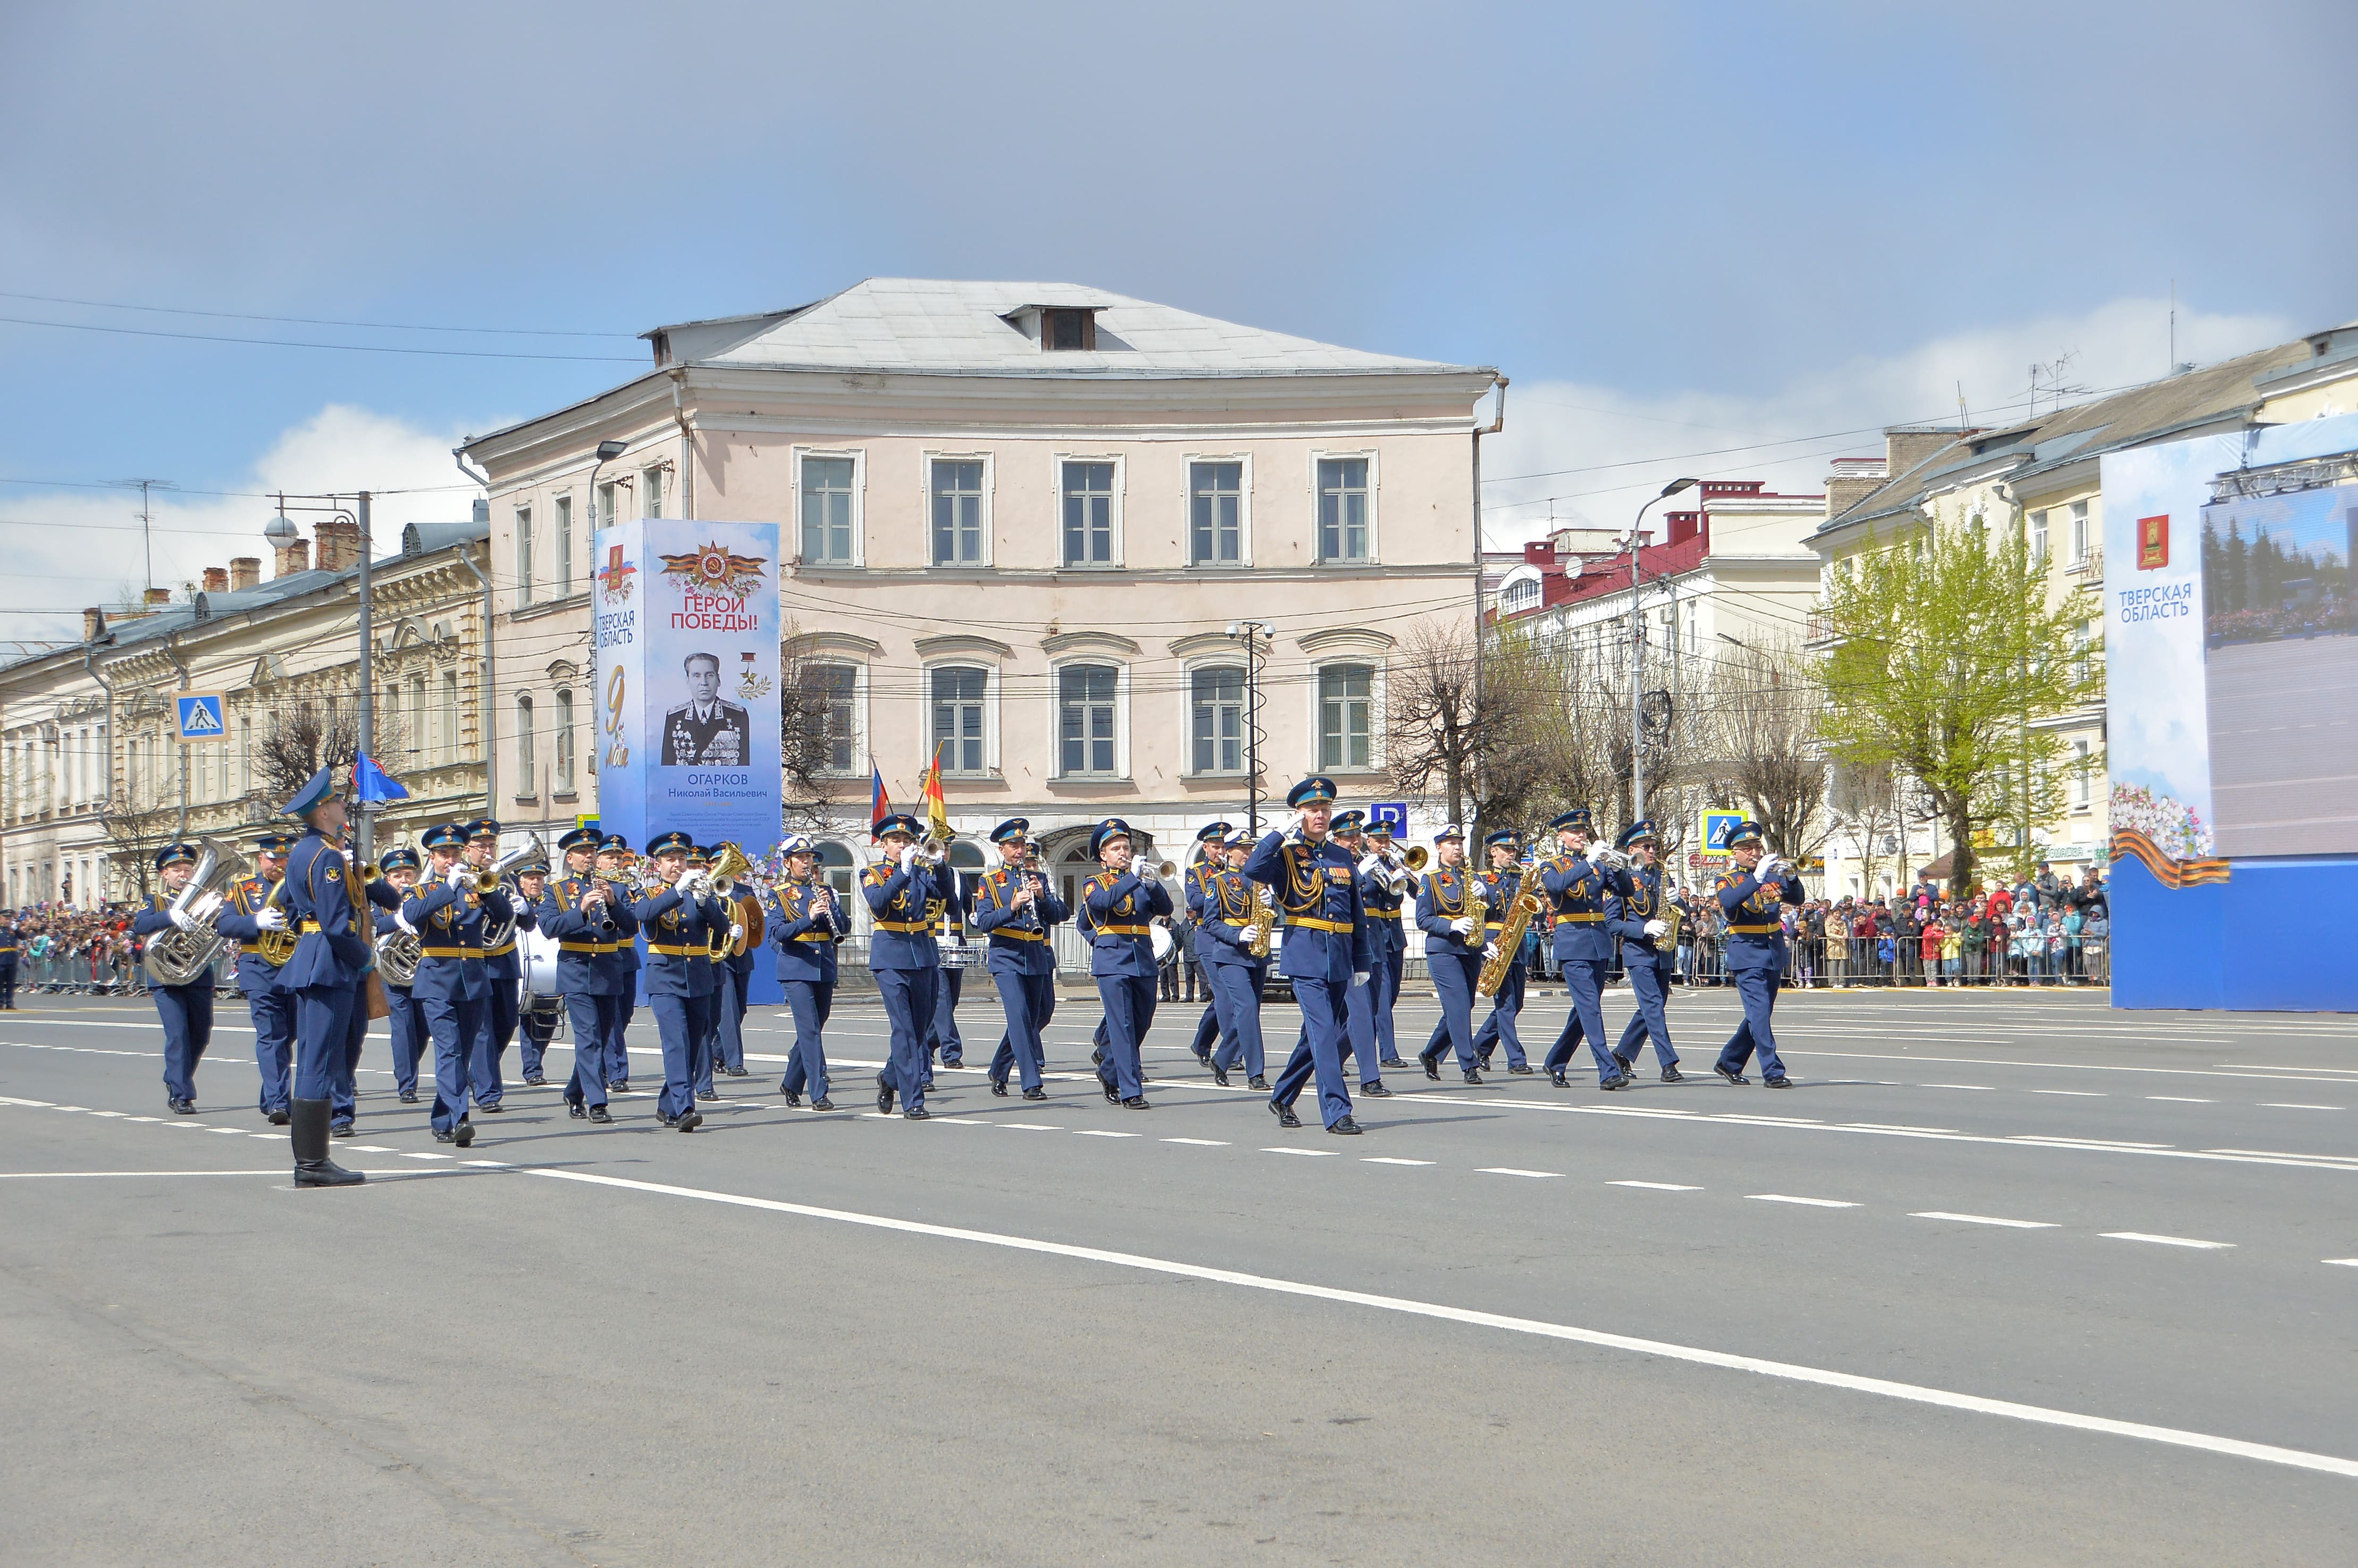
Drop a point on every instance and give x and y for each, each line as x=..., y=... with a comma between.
x=564, y=784
x=1522, y=595
x=527, y=747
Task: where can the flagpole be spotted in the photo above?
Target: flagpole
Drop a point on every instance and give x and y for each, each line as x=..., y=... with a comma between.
x=364, y=830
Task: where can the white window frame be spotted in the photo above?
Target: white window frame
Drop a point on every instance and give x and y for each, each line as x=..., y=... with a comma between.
x=1121, y=773
x=990, y=669
x=563, y=778
x=1375, y=668
x=523, y=563
x=560, y=519
x=859, y=668
x=1216, y=661
x=1187, y=461
x=2035, y=534
x=2084, y=538
x=2083, y=789
x=1118, y=547
x=990, y=492
x=859, y=456
x=450, y=702
x=528, y=745
x=602, y=503
x=1375, y=507
x=652, y=493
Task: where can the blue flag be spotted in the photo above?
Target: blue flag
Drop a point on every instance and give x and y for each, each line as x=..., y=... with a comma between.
x=372, y=783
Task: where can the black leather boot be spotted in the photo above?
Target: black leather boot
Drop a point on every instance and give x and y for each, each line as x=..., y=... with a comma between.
x=309, y=1135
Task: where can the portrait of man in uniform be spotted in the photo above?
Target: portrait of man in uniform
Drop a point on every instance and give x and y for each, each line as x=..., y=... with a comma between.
x=704, y=731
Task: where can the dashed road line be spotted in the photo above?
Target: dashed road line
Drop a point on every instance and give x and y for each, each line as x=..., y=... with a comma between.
x=1511, y=1171
x=1391, y=1160
x=1306, y=1153
x=1657, y=1187
x=1981, y=1089
x=1811, y=1203
x=1985, y=1219
x=2075, y=1094
x=1102, y=1133
x=2182, y=1099
x=2285, y=1105
x=1199, y=1143
x=2165, y=1240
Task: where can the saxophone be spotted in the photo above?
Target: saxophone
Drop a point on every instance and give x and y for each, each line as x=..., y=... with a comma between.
x=1263, y=922
x=1511, y=942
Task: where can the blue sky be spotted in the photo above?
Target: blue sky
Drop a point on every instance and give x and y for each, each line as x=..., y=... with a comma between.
x=1679, y=228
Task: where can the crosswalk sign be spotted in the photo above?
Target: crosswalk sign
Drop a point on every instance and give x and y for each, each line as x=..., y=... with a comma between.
x=200, y=715
x=1716, y=827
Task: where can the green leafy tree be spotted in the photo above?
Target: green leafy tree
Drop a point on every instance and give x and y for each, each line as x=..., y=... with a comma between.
x=1948, y=664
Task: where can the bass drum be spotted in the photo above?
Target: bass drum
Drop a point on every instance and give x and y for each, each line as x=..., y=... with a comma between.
x=1166, y=947
x=536, y=956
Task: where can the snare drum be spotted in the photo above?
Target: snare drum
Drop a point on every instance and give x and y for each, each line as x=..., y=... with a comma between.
x=1166, y=947
x=537, y=954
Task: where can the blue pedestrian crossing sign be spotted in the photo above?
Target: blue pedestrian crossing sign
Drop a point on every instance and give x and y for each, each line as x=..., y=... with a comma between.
x=1716, y=827
x=1392, y=811
x=200, y=715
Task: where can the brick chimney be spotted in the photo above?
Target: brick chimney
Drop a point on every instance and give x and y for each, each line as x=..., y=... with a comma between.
x=1905, y=446
x=244, y=572
x=294, y=557
x=93, y=623
x=339, y=545
x=159, y=596
x=216, y=579
x=1853, y=480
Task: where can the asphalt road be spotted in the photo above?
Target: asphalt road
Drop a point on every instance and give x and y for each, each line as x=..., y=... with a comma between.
x=2006, y=1278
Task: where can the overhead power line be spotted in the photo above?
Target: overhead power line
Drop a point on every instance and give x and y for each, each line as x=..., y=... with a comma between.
x=314, y=320
x=295, y=343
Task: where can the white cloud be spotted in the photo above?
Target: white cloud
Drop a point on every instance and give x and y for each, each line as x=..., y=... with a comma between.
x=1622, y=447
x=75, y=547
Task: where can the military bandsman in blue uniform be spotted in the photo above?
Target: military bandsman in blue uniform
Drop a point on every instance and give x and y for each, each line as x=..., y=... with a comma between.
x=906, y=960
x=810, y=922
x=502, y=973
x=397, y=868
x=12, y=948
x=1386, y=887
x=617, y=867
x=1577, y=891
x=948, y=914
x=1122, y=901
x=450, y=988
x=247, y=914
x=535, y=1026
x=1346, y=828
x=734, y=976
x=187, y=1011
x=1194, y=892
x=1018, y=912
x=1232, y=972
x=1314, y=884
x=1501, y=885
x=704, y=1010
x=676, y=918
x=1749, y=894
x=588, y=916
x=1453, y=939
x=326, y=976
x=1637, y=921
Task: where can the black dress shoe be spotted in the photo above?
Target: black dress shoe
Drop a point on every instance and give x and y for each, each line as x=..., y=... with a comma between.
x=916, y=1113
x=1672, y=1076
x=409, y=1096
x=999, y=1088
x=793, y=1101
x=1626, y=1064
x=622, y=1088
x=339, y=1130
x=1730, y=1074
x=1205, y=1057
x=884, y=1095
x=182, y=1107
x=1219, y=1073
x=1375, y=1091
x=1285, y=1114
x=535, y=1080
x=600, y=1113
x=1035, y=1094
x=690, y=1120
x=1523, y=1071
x=442, y=1137
x=492, y=1109
x=463, y=1134
x=577, y=1112
x=708, y=1093
x=1617, y=1081
x=1258, y=1082
x=1431, y=1062
x=1392, y=1061
x=278, y=1117
x=822, y=1103
x=1473, y=1075
x=1347, y=1128
x=736, y=1072
x=1096, y=1058
x=1555, y=1076
x=1780, y=1081
x=1136, y=1102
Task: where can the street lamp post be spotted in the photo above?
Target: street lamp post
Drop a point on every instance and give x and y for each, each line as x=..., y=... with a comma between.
x=1637, y=660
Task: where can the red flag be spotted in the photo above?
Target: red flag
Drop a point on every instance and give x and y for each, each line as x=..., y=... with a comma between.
x=880, y=804
x=938, y=809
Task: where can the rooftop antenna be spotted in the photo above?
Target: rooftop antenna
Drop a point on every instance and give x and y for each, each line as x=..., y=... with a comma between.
x=148, y=537
x=2173, y=326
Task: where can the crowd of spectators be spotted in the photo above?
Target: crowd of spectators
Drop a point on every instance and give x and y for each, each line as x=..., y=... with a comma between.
x=80, y=951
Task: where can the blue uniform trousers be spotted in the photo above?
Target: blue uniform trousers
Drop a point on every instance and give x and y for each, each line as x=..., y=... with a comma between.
x=537, y=1030
x=677, y=1021
x=274, y=1044
x=452, y=1024
x=1325, y=1031
x=1454, y=974
x=408, y=1027
x=1235, y=1004
x=618, y=1051
x=810, y=1001
x=1650, y=977
x=1584, y=978
x=592, y=1018
x=908, y=1002
x=188, y=1015
x=1499, y=1027
x=1758, y=989
x=495, y=1026
x=942, y=1032
x=1029, y=1001
x=1383, y=991
x=343, y=1106
x=703, y=1017
x=1129, y=1002
x=1358, y=1030
x=1207, y=1028
x=729, y=1035
x=323, y=1017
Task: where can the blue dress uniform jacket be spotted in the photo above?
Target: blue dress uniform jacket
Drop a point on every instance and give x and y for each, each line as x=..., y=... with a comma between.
x=1018, y=938
x=1221, y=902
x=450, y=925
x=805, y=939
x=331, y=948
x=1315, y=887
x=1638, y=900
x=1575, y=890
x=243, y=902
x=186, y=1012
x=257, y=977
x=1454, y=962
x=903, y=938
x=678, y=931
x=1440, y=899
x=1756, y=930
x=583, y=939
x=1121, y=909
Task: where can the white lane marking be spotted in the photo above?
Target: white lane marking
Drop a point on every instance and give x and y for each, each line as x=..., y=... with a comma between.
x=235, y=1132
x=2076, y=1094
x=2281, y=1155
x=107, y=1113
x=2063, y=1140
x=2164, y=1241
x=1199, y=1143
x=1884, y=1387
x=2182, y=1099
x=1983, y=1088
x=1027, y=1127
x=2059, y=1066
x=1306, y=1153
x=2340, y=1262
x=1096, y=1132
x=1985, y=1219
x=1391, y=1160
x=1892, y=1127
x=1813, y=1203
x=1749, y=1119
x=2281, y=1104
x=52, y=1176
x=425, y=1156
x=1655, y=1186
x=143, y=1118
x=1510, y=1170
x=265, y=1135
x=369, y=1148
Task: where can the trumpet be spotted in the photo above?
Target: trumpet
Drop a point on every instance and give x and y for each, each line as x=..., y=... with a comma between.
x=727, y=868
x=1611, y=859
x=369, y=870
x=1416, y=858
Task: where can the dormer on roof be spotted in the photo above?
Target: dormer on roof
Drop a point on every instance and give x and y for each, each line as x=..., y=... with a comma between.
x=1057, y=328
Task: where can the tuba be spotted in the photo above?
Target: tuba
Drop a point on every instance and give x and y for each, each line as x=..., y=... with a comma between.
x=397, y=953
x=177, y=957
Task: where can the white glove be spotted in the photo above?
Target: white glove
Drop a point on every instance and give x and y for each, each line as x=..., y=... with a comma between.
x=182, y=918
x=402, y=921
x=1359, y=976
x=456, y=878
x=908, y=857
x=1370, y=864
x=1769, y=869
x=206, y=907
x=736, y=932
x=1490, y=950
x=1463, y=925
x=270, y=917
x=1657, y=928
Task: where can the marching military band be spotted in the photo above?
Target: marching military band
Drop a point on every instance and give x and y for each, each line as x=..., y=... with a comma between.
x=429, y=939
